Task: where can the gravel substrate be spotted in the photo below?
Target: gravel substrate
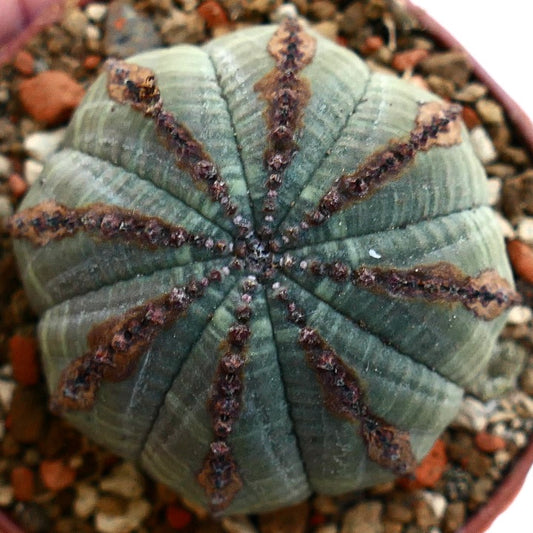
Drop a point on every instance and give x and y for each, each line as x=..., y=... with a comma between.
x=52, y=479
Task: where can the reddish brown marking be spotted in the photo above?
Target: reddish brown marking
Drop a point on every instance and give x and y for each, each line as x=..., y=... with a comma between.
x=117, y=344
x=219, y=475
x=487, y=295
x=134, y=85
x=50, y=221
x=437, y=124
x=386, y=445
x=286, y=95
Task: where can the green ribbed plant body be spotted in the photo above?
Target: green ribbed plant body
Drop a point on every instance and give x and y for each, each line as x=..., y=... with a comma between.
x=276, y=277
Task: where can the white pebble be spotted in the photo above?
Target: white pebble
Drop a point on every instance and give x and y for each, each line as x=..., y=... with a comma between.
x=519, y=315
x=96, y=12
x=32, y=170
x=482, y=144
x=6, y=393
x=6, y=495
x=495, y=189
x=374, y=254
x=137, y=511
x=520, y=439
x=85, y=501
x=472, y=415
x=524, y=230
x=328, y=528
x=125, y=480
x=284, y=11
x=93, y=33
x=5, y=167
x=436, y=501
x=42, y=144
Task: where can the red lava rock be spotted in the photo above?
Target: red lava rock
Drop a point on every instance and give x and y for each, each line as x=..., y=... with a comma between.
x=213, y=14
x=372, y=44
x=56, y=475
x=91, y=62
x=51, y=96
x=470, y=117
x=23, y=354
x=24, y=63
x=23, y=483
x=27, y=415
x=317, y=519
x=521, y=256
x=429, y=471
x=178, y=517
x=408, y=59
x=17, y=185
x=489, y=443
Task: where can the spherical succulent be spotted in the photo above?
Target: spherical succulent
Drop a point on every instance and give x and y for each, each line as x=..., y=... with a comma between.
x=263, y=270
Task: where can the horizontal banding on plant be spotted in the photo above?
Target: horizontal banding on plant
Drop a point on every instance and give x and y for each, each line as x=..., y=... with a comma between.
x=286, y=95
x=487, y=295
x=117, y=344
x=131, y=84
x=50, y=221
x=387, y=445
x=219, y=475
x=437, y=124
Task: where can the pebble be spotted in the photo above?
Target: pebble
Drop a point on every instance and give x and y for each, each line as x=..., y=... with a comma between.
x=23, y=482
x=125, y=480
x=288, y=520
x=91, y=62
x=325, y=504
x=444, y=87
x=524, y=230
x=424, y=516
x=32, y=170
x=96, y=12
x=436, y=501
x=6, y=393
x=177, y=517
x=24, y=63
x=128, y=32
x=365, y=517
x=32, y=517
x=238, y=524
x=28, y=414
x=327, y=528
x=472, y=415
x=489, y=111
x=453, y=66
x=432, y=466
x=521, y=256
x=182, y=27
x=495, y=190
x=470, y=117
x=17, y=185
x=481, y=490
x=93, y=33
x=409, y=59
x=5, y=166
x=51, y=96
x=85, y=502
x=454, y=516
x=526, y=381
x=136, y=512
x=471, y=93
x=6, y=495
x=328, y=29
x=284, y=11
x=399, y=512
x=213, y=14
x=56, y=475
x=520, y=314
x=75, y=22
x=483, y=145
x=24, y=359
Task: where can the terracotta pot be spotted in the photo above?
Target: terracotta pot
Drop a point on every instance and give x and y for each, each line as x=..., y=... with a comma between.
x=523, y=126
